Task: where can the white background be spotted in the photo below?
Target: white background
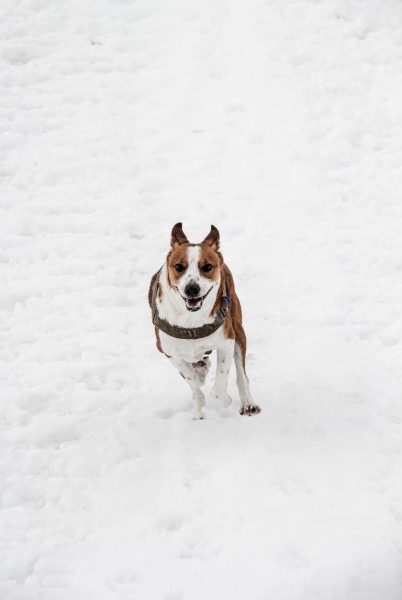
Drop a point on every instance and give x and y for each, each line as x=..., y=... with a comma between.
x=281, y=123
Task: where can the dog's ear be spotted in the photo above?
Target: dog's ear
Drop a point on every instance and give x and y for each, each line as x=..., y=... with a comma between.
x=178, y=236
x=212, y=238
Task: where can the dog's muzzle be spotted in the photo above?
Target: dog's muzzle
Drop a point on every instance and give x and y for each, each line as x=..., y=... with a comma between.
x=194, y=303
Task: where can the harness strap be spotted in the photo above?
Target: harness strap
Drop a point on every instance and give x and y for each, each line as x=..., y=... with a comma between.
x=188, y=333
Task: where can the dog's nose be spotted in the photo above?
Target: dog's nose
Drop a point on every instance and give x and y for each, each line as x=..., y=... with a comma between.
x=192, y=290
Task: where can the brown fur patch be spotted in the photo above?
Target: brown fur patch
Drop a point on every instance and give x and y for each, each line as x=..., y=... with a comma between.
x=210, y=256
x=177, y=256
x=233, y=326
x=151, y=285
x=158, y=340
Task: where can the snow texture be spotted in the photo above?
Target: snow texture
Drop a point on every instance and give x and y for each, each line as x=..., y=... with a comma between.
x=281, y=123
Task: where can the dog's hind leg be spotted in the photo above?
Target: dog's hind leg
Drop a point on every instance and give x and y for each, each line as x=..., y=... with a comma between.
x=247, y=406
x=195, y=381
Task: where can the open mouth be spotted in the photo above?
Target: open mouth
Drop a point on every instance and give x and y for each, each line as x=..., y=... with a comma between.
x=194, y=304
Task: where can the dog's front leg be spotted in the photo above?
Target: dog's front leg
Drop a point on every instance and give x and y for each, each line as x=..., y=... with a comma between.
x=219, y=396
x=195, y=381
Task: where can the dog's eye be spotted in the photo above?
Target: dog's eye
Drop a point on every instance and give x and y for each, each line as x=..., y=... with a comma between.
x=179, y=267
x=207, y=267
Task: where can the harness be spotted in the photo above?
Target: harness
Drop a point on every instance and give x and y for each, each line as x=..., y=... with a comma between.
x=188, y=333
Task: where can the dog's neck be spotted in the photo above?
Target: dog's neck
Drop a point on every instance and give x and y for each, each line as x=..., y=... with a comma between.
x=172, y=308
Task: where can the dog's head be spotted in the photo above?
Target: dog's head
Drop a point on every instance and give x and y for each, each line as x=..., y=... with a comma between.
x=194, y=270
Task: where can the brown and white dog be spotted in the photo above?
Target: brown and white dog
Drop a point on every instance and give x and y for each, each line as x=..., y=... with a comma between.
x=195, y=310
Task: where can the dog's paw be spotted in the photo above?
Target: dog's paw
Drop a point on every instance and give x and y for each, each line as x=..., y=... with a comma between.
x=198, y=405
x=198, y=415
x=250, y=409
x=220, y=400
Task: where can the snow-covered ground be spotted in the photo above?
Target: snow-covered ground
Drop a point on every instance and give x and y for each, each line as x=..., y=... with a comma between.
x=281, y=123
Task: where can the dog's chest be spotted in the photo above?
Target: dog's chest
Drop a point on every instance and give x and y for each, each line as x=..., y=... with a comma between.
x=190, y=350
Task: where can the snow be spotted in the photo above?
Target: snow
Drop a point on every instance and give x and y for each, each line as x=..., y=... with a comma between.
x=280, y=123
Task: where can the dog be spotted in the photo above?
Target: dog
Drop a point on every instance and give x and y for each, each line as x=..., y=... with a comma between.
x=195, y=310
